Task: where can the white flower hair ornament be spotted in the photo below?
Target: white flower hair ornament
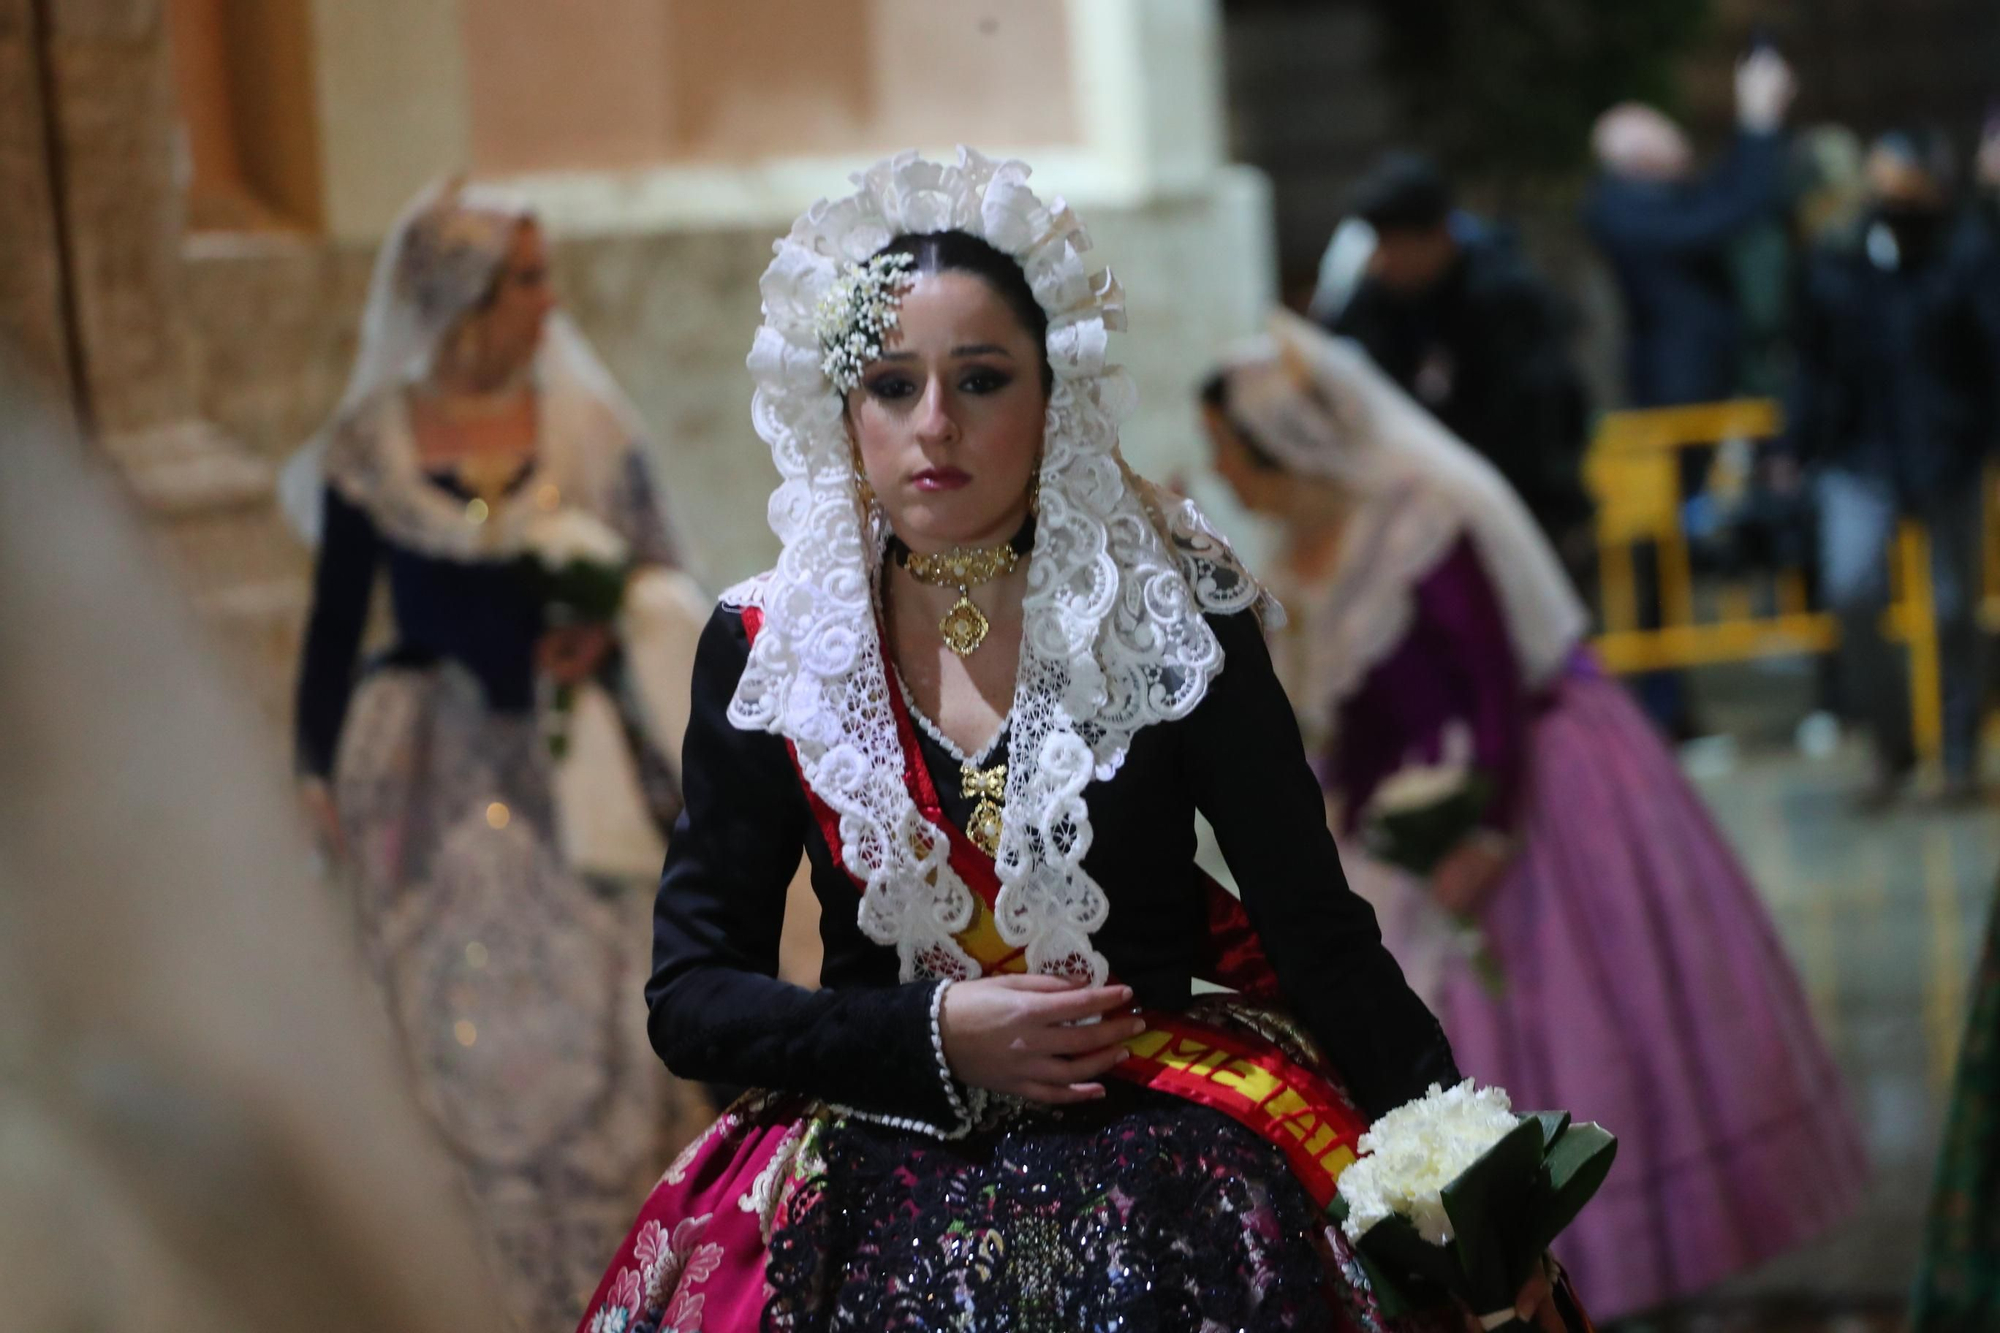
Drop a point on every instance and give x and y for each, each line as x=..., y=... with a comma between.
x=1113, y=636
x=857, y=313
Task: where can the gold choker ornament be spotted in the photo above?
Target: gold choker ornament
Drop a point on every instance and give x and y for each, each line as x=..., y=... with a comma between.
x=964, y=627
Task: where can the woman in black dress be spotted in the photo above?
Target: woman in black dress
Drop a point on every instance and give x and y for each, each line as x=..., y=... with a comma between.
x=986, y=690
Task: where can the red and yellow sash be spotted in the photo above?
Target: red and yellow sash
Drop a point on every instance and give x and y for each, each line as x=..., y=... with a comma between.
x=1241, y=1075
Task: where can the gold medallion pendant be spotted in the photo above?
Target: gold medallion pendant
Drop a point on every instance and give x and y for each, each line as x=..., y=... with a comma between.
x=987, y=788
x=964, y=626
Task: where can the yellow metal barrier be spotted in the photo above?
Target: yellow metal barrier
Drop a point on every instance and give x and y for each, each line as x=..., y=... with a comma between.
x=1634, y=473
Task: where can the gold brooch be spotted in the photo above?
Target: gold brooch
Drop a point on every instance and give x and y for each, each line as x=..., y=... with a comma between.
x=987, y=788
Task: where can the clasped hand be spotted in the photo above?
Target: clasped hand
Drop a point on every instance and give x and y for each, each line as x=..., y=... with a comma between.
x=1030, y=1036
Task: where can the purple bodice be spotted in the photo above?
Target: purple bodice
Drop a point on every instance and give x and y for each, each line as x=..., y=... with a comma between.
x=1455, y=664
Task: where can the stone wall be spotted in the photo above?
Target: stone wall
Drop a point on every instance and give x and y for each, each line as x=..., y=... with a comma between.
x=272, y=325
x=32, y=332
x=87, y=152
x=206, y=357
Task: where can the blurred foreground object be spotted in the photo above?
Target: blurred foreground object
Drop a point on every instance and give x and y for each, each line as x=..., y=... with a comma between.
x=201, y=1121
x=1958, y=1284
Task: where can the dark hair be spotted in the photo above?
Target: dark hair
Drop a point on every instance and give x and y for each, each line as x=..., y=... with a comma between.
x=962, y=252
x=1215, y=394
x=1402, y=192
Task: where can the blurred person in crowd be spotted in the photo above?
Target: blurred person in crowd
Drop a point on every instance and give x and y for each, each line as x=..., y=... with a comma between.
x=1895, y=405
x=1958, y=1274
x=494, y=785
x=1672, y=236
x=1755, y=513
x=203, y=1124
x=1545, y=875
x=1830, y=192
x=1449, y=309
x=1667, y=229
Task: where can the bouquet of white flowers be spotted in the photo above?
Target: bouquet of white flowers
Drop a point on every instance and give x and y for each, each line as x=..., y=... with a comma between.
x=1418, y=814
x=1457, y=1196
x=578, y=566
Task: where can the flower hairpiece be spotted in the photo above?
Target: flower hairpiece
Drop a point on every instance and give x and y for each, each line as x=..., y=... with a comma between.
x=857, y=312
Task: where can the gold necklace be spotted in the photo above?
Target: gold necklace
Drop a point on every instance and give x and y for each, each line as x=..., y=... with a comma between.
x=964, y=626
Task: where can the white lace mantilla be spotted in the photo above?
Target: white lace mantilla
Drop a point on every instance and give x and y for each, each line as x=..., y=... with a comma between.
x=584, y=459
x=1355, y=622
x=1113, y=636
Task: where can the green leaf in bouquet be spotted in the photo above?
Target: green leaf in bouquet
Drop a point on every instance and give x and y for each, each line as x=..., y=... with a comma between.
x=1424, y=1274
x=1417, y=840
x=1488, y=1205
x=1553, y=1124
x=1389, y=1293
x=1391, y=1296
x=1574, y=1169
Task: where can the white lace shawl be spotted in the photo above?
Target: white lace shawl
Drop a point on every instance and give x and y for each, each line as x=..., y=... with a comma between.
x=1113, y=636
x=1320, y=407
x=586, y=456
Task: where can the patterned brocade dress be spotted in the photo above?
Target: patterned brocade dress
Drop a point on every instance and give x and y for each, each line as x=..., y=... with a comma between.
x=509, y=977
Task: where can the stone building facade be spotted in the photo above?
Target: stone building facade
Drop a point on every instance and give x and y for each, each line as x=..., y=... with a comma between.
x=194, y=189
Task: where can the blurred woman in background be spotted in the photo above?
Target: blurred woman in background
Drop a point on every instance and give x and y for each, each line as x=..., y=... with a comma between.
x=494, y=786
x=1550, y=883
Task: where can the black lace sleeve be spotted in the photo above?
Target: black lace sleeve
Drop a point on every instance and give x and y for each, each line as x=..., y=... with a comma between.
x=343, y=578
x=717, y=1012
x=1252, y=781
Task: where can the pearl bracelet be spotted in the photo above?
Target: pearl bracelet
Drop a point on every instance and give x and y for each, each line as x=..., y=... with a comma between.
x=964, y=1116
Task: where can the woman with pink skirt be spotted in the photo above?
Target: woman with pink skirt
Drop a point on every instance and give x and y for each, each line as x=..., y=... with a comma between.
x=1547, y=878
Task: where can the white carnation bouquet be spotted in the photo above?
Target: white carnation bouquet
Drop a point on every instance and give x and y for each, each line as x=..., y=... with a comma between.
x=578, y=566
x=1456, y=1196
x=1419, y=813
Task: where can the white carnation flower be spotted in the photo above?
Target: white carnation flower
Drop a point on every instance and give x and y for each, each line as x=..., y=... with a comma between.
x=569, y=534
x=1412, y=1153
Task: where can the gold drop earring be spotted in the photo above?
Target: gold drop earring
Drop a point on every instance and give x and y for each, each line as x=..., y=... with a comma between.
x=861, y=487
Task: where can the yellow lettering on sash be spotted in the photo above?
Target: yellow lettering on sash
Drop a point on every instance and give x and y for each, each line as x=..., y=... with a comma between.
x=1337, y=1161
x=1191, y=1056
x=1302, y=1125
x=1318, y=1142
x=1147, y=1044
x=1285, y=1105
x=1205, y=1064
x=1252, y=1080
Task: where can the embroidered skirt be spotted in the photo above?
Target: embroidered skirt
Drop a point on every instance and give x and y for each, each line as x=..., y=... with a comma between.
x=510, y=980
x=1142, y=1212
